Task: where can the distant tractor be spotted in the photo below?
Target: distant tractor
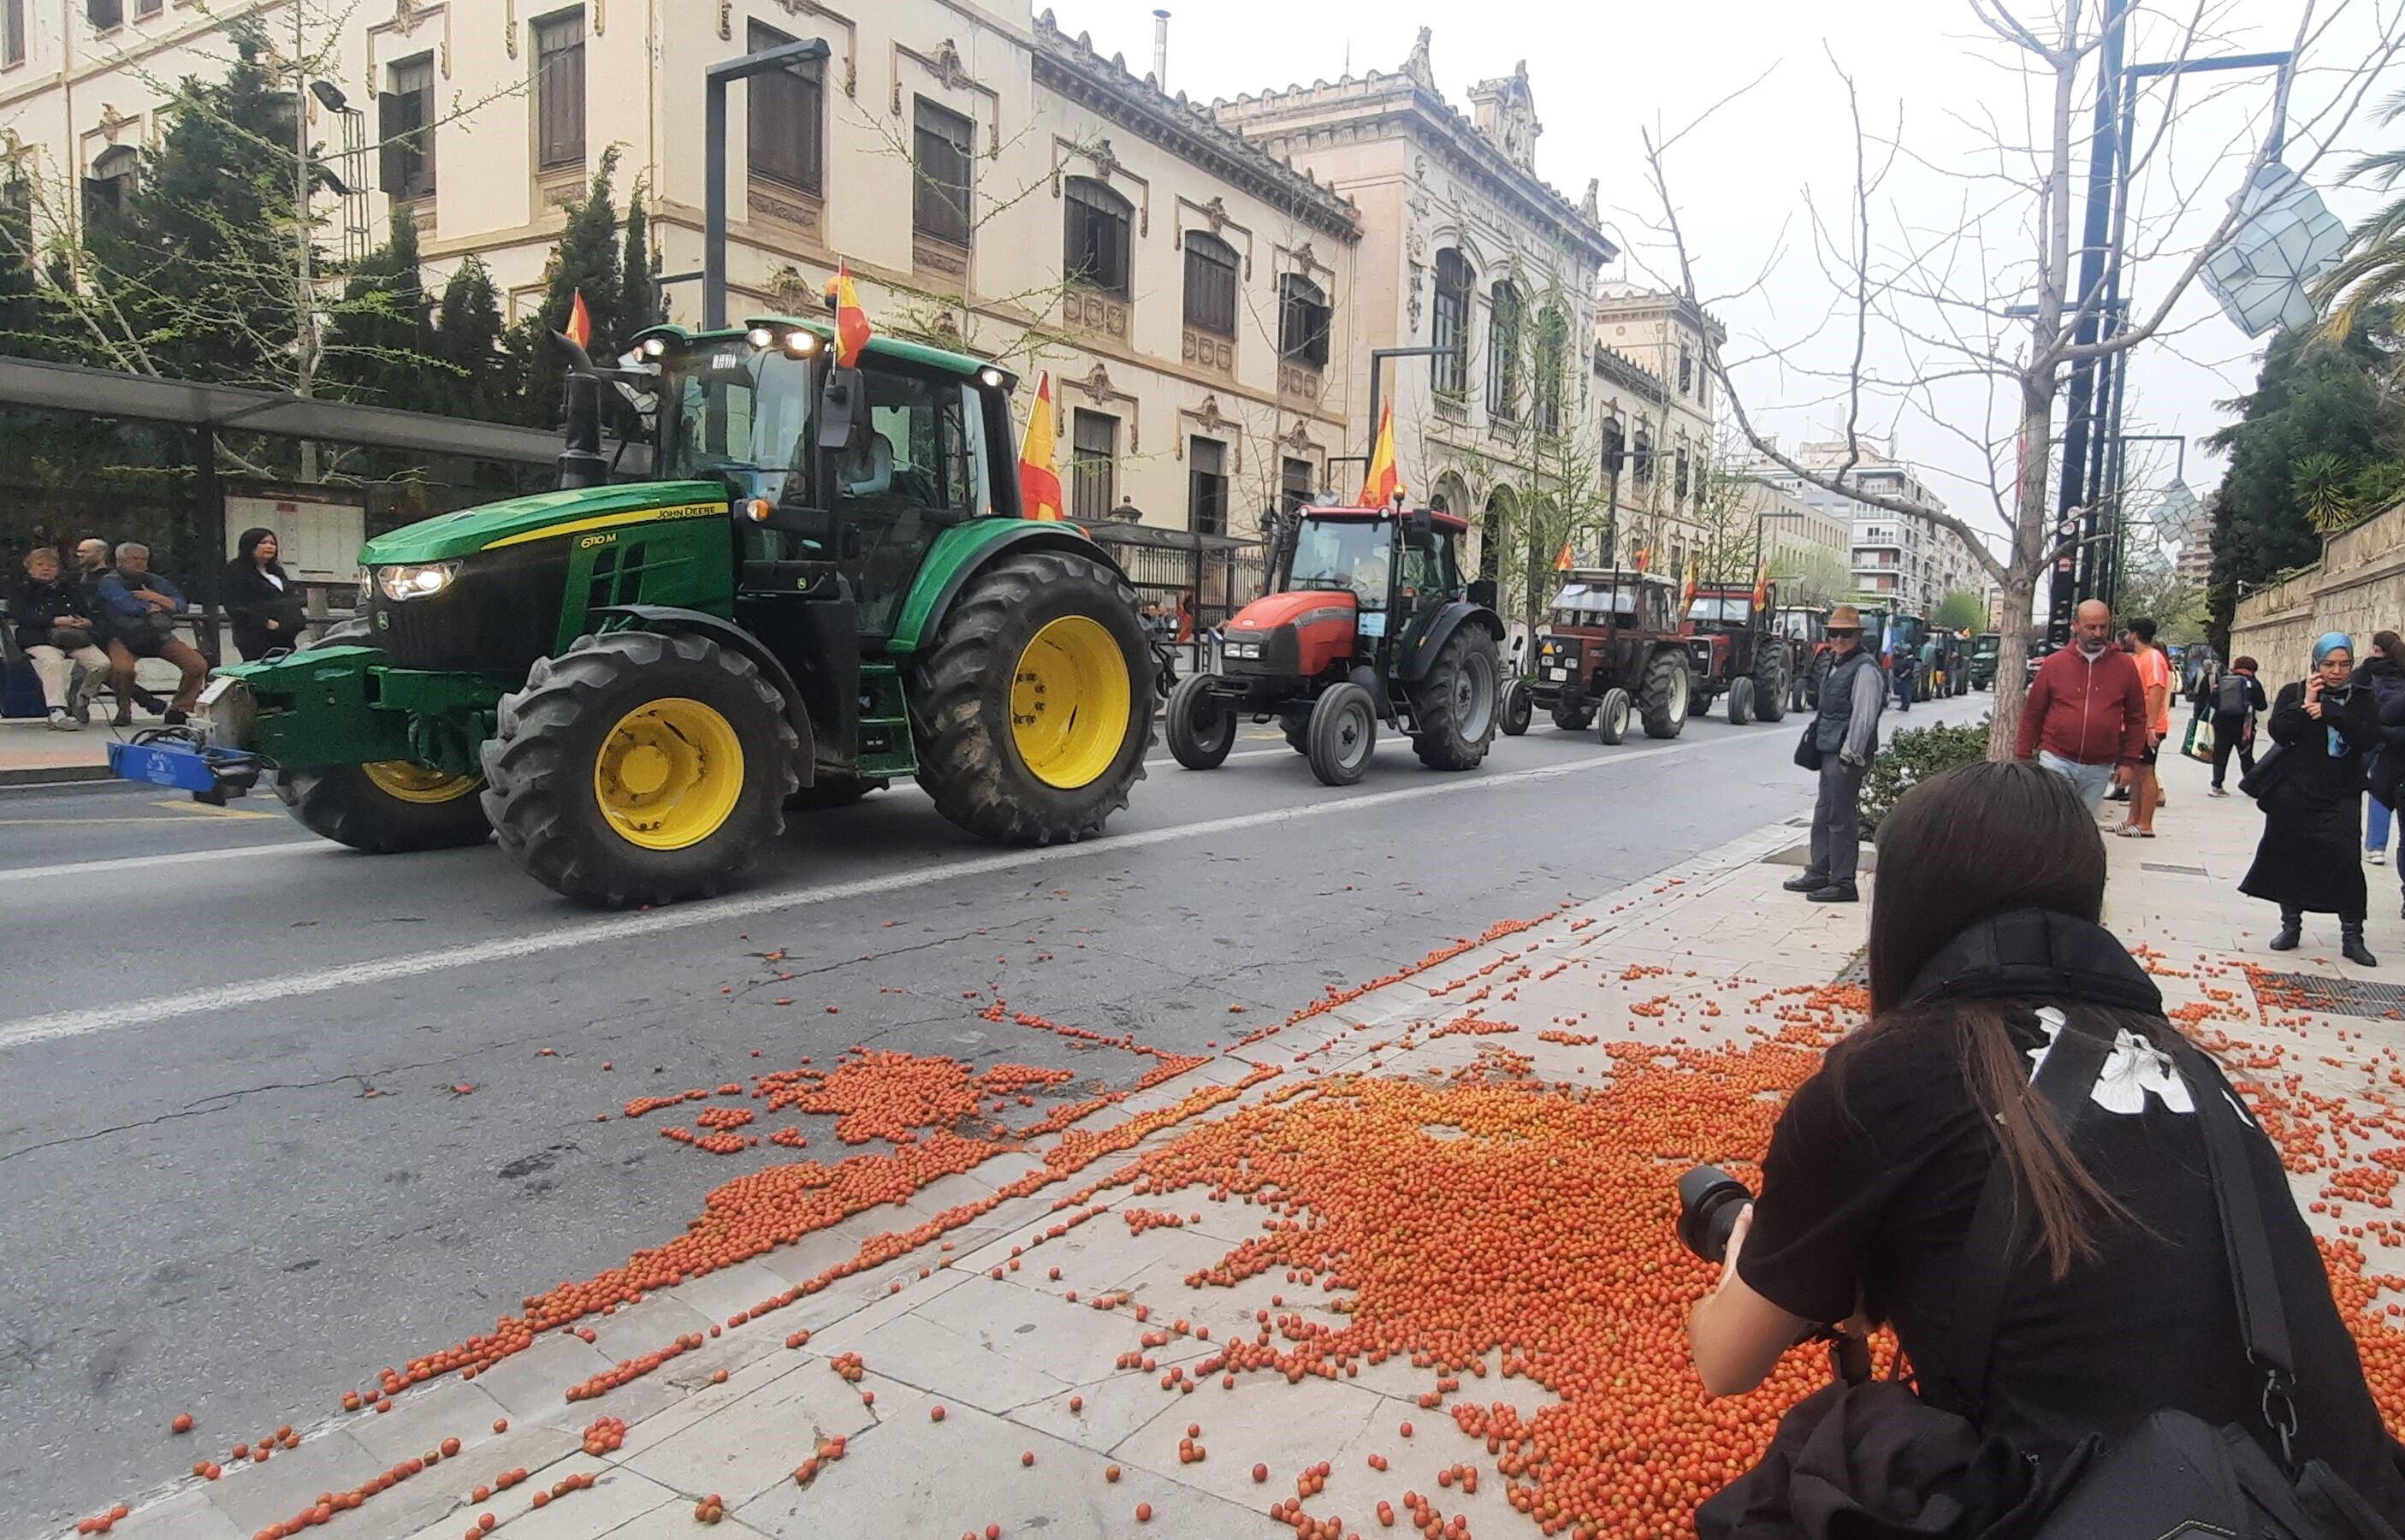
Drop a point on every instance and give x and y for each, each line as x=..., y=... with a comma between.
x=1991, y=646
x=1611, y=653
x=823, y=587
x=1739, y=655
x=1806, y=632
x=1369, y=621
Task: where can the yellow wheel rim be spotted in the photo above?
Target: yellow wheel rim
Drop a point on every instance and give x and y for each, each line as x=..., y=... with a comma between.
x=406, y=780
x=669, y=774
x=1069, y=701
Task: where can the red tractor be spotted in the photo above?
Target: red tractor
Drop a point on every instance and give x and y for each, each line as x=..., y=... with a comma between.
x=1739, y=653
x=1609, y=653
x=1368, y=621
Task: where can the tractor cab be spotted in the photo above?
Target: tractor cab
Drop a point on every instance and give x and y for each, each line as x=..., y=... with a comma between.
x=1368, y=621
x=1984, y=653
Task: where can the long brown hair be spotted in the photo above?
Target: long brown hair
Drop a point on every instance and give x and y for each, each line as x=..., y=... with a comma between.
x=1963, y=846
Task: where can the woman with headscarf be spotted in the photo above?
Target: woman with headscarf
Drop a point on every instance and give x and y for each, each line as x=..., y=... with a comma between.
x=2312, y=811
x=262, y=599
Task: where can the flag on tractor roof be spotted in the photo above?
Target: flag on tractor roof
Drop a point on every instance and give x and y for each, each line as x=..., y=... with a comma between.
x=851, y=327
x=1563, y=562
x=1694, y=581
x=1385, y=483
x=1039, y=482
x=1761, y=582
x=579, y=322
x=1643, y=560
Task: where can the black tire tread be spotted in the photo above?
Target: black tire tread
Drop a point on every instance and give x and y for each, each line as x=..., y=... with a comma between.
x=1652, y=706
x=1438, y=739
x=339, y=802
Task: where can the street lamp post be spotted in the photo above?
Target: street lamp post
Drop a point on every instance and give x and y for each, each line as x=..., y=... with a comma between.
x=714, y=239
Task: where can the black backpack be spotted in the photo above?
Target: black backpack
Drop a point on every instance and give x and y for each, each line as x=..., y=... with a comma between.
x=2230, y=699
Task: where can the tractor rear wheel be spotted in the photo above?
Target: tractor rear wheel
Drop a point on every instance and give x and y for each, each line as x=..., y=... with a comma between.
x=1611, y=715
x=640, y=767
x=1770, y=684
x=1519, y=706
x=1668, y=691
x=1034, y=707
x=385, y=809
x=1573, y=719
x=1343, y=735
x=1453, y=711
x=1740, y=701
x=1201, y=727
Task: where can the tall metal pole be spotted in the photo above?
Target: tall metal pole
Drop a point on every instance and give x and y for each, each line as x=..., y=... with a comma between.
x=303, y=233
x=713, y=217
x=2078, y=426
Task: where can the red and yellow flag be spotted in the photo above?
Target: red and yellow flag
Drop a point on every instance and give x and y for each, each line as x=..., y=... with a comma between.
x=1694, y=581
x=851, y=327
x=1563, y=562
x=580, y=323
x=1040, y=482
x=1761, y=582
x=1385, y=483
x=1643, y=559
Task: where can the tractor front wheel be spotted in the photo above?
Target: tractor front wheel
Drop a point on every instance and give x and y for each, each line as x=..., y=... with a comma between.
x=1573, y=719
x=1770, y=684
x=1668, y=694
x=1454, y=709
x=1519, y=708
x=1343, y=735
x=385, y=809
x=1611, y=715
x=1201, y=727
x=1034, y=707
x=1740, y=701
x=638, y=768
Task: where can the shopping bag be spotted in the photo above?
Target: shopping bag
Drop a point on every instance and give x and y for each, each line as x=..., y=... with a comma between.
x=2200, y=740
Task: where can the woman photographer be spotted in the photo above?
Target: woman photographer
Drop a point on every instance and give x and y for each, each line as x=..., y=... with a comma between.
x=1985, y=946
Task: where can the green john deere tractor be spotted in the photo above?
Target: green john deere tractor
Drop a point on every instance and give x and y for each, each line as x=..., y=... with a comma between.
x=826, y=587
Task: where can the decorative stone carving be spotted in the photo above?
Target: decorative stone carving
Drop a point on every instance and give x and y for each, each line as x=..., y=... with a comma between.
x=1299, y=383
x=948, y=67
x=113, y=123
x=1216, y=212
x=1201, y=350
x=1092, y=311
x=1418, y=67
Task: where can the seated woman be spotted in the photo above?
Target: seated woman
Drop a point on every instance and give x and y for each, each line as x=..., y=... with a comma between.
x=1985, y=946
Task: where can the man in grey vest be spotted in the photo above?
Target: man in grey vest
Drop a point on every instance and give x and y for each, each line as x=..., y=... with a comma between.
x=1842, y=738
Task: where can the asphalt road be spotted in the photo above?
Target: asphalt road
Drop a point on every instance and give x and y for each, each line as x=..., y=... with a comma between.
x=236, y=1177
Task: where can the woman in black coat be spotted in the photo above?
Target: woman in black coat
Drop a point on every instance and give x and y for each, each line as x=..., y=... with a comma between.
x=2313, y=812
x=262, y=599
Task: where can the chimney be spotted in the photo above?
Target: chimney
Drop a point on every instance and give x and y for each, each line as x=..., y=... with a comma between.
x=1161, y=49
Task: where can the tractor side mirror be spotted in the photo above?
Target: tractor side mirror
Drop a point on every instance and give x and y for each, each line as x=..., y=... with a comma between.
x=1419, y=526
x=843, y=408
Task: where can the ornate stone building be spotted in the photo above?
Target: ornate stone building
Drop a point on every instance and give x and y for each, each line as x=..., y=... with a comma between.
x=1465, y=249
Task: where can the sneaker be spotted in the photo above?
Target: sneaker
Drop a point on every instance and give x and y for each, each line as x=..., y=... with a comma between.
x=62, y=722
x=2220, y=792
x=2377, y=858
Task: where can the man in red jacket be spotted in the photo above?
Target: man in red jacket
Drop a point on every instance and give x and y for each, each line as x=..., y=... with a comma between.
x=2085, y=717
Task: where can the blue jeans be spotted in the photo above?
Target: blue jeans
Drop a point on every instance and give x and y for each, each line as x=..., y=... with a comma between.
x=2376, y=824
x=2089, y=780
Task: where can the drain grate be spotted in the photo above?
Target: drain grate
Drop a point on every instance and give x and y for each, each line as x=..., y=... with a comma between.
x=2175, y=871
x=1857, y=972
x=2331, y=996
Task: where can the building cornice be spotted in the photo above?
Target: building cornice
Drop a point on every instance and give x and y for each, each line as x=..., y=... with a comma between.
x=1070, y=67
x=1624, y=372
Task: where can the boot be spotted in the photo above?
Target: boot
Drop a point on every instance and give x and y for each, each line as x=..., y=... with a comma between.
x=2351, y=945
x=2292, y=929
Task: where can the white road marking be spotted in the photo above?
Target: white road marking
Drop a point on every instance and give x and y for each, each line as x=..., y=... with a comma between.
x=160, y=863
x=605, y=931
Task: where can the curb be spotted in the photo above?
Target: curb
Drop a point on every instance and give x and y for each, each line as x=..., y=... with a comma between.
x=60, y=774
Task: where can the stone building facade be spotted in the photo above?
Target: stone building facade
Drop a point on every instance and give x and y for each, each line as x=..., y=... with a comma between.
x=2358, y=587
x=1655, y=420
x=1894, y=559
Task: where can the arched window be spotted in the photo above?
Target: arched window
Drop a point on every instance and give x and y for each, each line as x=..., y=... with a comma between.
x=1449, y=323
x=1094, y=244
x=1304, y=316
x=1211, y=270
x=1553, y=366
x=1506, y=316
x=115, y=172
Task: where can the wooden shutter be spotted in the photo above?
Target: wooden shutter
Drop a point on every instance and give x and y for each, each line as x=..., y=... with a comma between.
x=559, y=92
x=939, y=204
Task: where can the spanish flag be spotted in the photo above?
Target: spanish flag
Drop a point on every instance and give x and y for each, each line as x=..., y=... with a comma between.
x=851, y=327
x=1563, y=562
x=1761, y=582
x=580, y=323
x=1643, y=559
x=1039, y=483
x=1385, y=482
x=1694, y=581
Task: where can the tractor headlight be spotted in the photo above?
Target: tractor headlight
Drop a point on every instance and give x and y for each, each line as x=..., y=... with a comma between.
x=404, y=583
x=1244, y=650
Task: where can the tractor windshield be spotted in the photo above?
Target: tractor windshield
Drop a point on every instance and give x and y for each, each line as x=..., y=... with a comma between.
x=1350, y=555
x=729, y=407
x=1596, y=605
x=1728, y=611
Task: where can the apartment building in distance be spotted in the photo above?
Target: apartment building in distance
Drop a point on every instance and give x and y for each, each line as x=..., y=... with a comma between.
x=1894, y=559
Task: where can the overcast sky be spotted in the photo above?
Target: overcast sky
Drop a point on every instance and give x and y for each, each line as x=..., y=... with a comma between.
x=1603, y=73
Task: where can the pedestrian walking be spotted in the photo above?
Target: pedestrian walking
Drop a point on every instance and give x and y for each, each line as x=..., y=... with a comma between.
x=2237, y=701
x=1839, y=743
x=262, y=599
x=2384, y=675
x=56, y=636
x=2310, y=787
x=2085, y=715
x=2155, y=676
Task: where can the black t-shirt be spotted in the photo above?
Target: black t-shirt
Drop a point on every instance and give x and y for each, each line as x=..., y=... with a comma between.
x=1868, y=1192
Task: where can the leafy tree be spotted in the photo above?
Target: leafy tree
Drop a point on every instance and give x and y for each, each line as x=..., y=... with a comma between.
x=1960, y=610
x=1815, y=576
x=2372, y=271
x=638, y=272
x=2319, y=435
x=380, y=341
x=469, y=340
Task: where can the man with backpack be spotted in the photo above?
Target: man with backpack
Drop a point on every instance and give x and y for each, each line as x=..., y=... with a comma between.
x=2237, y=700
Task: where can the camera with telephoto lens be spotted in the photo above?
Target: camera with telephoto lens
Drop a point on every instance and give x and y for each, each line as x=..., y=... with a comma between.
x=1709, y=1200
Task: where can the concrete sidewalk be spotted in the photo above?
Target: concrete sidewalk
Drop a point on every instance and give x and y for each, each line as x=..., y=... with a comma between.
x=1077, y=1333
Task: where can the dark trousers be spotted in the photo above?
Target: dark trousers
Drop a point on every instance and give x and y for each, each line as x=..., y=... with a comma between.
x=2229, y=735
x=1837, y=822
